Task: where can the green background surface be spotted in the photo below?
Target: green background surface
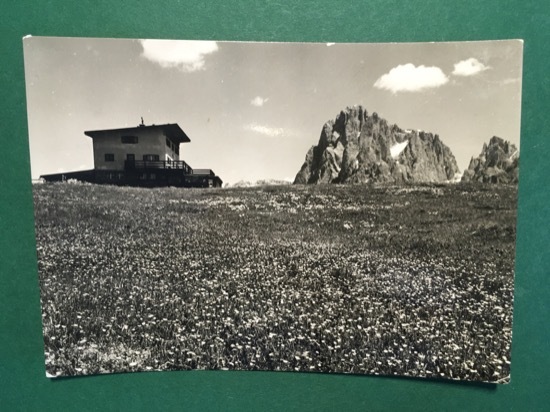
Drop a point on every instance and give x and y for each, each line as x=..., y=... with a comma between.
x=23, y=385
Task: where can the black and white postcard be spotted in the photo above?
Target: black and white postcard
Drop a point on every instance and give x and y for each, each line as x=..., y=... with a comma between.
x=305, y=207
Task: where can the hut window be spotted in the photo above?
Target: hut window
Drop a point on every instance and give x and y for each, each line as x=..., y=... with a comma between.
x=129, y=139
x=151, y=157
x=109, y=157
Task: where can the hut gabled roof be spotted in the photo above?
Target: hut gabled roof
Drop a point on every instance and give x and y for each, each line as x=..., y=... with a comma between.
x=171, y=130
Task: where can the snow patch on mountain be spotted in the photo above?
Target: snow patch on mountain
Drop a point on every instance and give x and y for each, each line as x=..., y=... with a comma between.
x=398, y=148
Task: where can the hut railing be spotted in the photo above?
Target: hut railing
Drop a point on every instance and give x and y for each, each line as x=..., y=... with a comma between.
x=158, y=164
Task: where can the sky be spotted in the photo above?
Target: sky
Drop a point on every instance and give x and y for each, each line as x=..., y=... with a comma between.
x=252, y=110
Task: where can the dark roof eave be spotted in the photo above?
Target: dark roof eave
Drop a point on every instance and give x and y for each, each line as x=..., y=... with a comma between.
x=171, y=130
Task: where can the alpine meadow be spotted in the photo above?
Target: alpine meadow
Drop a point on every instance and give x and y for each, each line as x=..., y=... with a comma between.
x=399, y=280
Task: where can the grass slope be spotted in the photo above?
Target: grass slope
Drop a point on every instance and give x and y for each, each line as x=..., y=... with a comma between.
x=411, y=280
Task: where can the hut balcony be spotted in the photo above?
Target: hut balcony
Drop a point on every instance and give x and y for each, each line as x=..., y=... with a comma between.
x=158, y=164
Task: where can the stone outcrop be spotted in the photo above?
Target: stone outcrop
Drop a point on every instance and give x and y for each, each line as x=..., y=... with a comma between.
x=497, y=163
x=360, y=148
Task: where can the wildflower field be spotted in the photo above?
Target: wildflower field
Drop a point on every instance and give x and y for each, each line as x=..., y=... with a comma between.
x=395, y=280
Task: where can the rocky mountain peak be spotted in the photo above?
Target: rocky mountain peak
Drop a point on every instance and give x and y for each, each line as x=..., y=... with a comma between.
x=498, y=162
x=357, y=147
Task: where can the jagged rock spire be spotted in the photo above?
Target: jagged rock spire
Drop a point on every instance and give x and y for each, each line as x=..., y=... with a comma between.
x=358, y=148
x=498, y=162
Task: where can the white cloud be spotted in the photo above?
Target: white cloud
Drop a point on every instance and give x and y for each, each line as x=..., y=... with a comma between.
x=409, y=78
x=469, y=67
x=186, y=55
x=265, y=130
x=258, y=101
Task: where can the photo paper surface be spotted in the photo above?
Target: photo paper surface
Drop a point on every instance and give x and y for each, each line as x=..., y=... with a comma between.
x=306, y=207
